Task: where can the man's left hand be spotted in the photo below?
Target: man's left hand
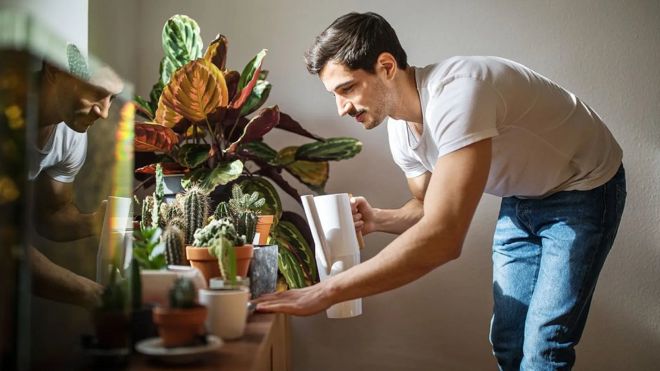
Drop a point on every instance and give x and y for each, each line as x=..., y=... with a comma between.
x=300, y=302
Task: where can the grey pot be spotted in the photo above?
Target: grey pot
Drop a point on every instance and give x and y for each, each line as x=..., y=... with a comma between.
x=263, y=270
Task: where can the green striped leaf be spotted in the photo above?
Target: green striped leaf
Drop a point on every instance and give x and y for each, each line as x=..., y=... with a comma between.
x=182, y=43
x=332, y=149
x=297, y=259
x=313, y=174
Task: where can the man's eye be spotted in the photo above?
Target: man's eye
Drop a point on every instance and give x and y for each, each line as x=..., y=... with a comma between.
x=347, y=89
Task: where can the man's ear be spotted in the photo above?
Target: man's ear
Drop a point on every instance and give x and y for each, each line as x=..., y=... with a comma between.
x=386, y=63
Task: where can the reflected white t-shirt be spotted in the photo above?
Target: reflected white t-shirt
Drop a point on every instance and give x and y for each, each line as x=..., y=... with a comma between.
x=544, y=138
x=62, y=156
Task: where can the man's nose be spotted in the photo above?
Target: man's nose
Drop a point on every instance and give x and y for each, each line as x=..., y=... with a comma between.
x=102, y=108
x=343, y=106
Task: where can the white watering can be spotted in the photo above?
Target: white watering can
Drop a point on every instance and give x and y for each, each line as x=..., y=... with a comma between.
x=331, y=222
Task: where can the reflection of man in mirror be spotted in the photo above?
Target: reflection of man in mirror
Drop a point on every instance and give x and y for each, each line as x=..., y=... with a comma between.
x=68, y=105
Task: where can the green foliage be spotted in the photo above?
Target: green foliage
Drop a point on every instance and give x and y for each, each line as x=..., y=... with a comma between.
x=145, y=242
x=136, y=285
x=182, y=294
x=223, y=249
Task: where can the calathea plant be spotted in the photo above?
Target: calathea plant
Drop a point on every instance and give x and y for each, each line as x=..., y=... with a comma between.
x=206, y=121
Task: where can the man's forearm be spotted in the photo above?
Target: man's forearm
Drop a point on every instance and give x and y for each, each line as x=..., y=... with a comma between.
x=397, y=221
x=67, y=224
x=410, y=256
x=50, y=281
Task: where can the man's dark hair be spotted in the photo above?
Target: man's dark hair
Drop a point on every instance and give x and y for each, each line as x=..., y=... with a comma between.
x=355, y=40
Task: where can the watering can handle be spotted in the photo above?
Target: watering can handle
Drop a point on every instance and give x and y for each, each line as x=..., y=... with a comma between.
x=317, y=229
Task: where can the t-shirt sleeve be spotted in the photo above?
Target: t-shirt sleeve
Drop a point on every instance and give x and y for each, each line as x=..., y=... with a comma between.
x=462, y=112
x=401, y=155
x=66, y=170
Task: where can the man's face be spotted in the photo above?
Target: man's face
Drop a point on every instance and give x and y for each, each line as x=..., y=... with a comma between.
x=358, y=93
x=81, y=103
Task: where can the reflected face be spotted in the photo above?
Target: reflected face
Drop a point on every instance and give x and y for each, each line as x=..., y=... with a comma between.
x=358, y=93
x=80, y=104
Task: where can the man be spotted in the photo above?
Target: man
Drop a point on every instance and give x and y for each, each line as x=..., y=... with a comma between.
x=69, y=104
x=459, y=128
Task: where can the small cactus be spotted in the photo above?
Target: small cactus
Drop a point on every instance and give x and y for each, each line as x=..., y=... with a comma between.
x=195, y=211
x=246, y=225
x=174, y=240
x=222, y=211
x=182, y=293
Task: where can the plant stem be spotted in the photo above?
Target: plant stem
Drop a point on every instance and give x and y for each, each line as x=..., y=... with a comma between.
x=218, y=143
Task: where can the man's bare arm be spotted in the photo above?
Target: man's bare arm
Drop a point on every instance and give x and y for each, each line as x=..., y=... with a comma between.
x=57, y=217
x=50, y=281
x=450, y=201
x=399, y=220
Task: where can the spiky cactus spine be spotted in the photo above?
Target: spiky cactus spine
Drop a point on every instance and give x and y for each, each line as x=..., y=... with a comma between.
x=147, y=207
x=182, y=293
x=222, y=211
x=174, y=239
x=195, y=211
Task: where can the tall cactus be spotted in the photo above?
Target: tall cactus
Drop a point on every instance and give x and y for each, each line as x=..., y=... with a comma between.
x=195, y=211
x=222, y=211
x=174, y=240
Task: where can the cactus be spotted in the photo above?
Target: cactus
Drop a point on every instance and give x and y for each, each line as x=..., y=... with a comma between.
x=174, y=240
x=241, y=202
x=222, y=211
x=195, y=211
x=147, y=207
x=224, y=250
x=168, y=213
x=222, y=228
x=182, y=293
x=246, y=225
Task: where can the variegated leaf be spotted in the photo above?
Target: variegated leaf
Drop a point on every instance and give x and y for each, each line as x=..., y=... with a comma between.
x=195, y=90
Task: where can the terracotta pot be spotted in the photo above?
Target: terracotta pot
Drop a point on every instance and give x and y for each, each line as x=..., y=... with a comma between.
x=264, y=223
x=201, y=258
x=179, y=327
x=243, y=258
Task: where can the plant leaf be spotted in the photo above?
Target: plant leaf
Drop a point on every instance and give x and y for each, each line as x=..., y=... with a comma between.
x=216, y=52
x=257, y=97
x=312, y=174
x=182, y=43
x=222, y=174
x=143, y=107
x=195, y=90
x=192, y=155
x=231, y=78
x=167, y=116
x=257, y=127
x=259, y=150
x=248, y=80
x=333, y=149
x=296, y=262
x=168, y=168
x=291, y=125
x=274, y=174
x=152, y=137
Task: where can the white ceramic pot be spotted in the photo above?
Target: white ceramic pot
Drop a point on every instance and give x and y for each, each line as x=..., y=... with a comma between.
x=227, y=311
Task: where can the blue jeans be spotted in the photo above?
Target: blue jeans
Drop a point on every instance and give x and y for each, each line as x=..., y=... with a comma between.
x=547, y=254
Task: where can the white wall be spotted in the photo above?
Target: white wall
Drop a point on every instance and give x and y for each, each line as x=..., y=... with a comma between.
x=606, y=52
x=67, y=18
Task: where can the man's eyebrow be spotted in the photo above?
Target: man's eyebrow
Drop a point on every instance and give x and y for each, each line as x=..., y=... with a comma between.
x=342, y=85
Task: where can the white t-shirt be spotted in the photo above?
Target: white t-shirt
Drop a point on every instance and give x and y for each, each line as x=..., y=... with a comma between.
x=544, y=139
x=62, y=156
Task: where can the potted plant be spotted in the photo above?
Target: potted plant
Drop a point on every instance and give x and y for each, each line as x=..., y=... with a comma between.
x=182, y=323
x=111, y=317
x=212, y=139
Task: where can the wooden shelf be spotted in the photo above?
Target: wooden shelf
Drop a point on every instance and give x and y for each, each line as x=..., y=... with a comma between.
x=264, y=347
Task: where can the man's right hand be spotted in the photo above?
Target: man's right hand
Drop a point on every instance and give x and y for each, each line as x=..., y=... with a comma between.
x=363, y=215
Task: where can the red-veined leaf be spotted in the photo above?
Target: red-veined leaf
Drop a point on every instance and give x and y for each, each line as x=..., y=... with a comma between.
x=152, y=137
x=261, y=124
x=216, y=52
